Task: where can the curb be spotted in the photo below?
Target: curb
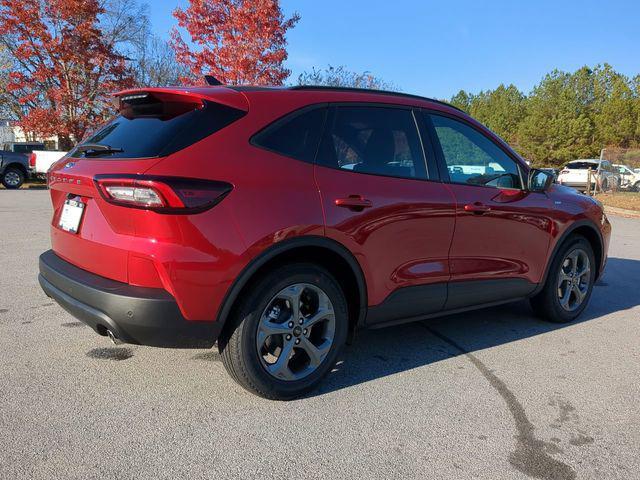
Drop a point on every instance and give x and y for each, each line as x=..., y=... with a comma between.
x=622, y=212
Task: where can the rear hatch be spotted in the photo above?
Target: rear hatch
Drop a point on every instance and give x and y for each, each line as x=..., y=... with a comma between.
x=578, y=172
x=92, y=230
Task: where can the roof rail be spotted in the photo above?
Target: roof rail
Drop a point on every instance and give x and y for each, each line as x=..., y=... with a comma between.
x=372, y=90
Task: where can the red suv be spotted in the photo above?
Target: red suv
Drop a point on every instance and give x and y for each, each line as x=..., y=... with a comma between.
x=277, y=221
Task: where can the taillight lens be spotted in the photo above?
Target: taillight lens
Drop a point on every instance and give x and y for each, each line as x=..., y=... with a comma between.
x=32, y=160
x=144, y=196
x=161, y=194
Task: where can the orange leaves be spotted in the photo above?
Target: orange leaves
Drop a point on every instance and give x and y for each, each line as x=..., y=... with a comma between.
x=239, y=41
x=64, y=65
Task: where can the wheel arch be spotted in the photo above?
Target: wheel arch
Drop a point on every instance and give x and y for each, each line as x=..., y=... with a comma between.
x=16, y=165
x=314, y=249
x=588, y=230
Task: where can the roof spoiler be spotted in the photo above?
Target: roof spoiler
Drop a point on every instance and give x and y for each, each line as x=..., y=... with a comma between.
x=190, y=95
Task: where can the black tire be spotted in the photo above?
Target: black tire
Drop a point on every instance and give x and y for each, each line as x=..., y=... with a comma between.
x=546, y=304
x=636, y=187
x=238, y=343
x=12, y=178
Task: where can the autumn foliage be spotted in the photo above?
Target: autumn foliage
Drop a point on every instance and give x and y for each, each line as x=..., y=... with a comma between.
x=237, y=41
x=64, y=66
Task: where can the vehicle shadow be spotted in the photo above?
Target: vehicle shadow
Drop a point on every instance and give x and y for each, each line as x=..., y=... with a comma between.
x=379, y=353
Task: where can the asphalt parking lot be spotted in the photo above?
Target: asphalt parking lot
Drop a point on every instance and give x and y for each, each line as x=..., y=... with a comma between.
x=495, y=394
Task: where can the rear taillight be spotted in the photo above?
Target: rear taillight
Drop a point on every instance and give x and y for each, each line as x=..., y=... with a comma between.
x=32, y=160
x=161, y=194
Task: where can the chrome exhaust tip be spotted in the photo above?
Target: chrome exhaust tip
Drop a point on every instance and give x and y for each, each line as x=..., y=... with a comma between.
x=113, y=338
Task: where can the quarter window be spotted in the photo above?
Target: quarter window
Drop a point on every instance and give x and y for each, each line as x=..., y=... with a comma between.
x=374, y=140
x=472, y=158
x=296, y=135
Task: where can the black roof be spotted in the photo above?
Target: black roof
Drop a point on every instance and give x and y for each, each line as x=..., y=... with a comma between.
x=345, y=89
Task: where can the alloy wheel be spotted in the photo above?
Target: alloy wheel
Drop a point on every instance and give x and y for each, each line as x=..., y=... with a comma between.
x=574, y=279
x=295, y=332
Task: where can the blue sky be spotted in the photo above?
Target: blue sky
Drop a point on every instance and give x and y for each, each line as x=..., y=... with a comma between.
x=436, y=48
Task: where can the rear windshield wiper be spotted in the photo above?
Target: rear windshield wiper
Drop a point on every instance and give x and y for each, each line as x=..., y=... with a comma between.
x=97, y=149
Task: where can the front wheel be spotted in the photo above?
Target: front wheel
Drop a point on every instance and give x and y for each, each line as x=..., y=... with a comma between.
x=287, y=332
x=569, y=284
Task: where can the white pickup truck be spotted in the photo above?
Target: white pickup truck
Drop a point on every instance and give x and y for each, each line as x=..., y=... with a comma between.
x=44, y=159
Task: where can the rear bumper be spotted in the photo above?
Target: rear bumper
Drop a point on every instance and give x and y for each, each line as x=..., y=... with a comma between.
x=138, y=315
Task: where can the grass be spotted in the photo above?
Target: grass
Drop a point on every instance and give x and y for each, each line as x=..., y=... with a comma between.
x=626, y=200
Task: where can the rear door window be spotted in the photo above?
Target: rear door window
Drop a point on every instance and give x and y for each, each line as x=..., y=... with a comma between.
x=374, y=140
x=155, y=134
x=296, y=135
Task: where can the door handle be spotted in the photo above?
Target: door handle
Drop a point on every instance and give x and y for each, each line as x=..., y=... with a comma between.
x=354, y=202
x=477, y=208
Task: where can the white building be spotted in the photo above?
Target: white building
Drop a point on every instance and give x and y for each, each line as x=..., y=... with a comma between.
x=9, y=133
x=6, y=132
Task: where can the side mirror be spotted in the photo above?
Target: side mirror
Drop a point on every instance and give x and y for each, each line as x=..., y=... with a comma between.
x=539, y=180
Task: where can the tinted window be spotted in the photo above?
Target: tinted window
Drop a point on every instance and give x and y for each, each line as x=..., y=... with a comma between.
x=472, y=158
x=582, y=166
x=297, y=135
x=377, y=140
x=27, y=148
x=152, y=134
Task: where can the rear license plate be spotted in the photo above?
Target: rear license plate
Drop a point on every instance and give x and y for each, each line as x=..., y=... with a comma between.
x=71, y=216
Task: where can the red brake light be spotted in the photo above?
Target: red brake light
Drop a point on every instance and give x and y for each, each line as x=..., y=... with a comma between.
x=161, y=194
x=32, y=160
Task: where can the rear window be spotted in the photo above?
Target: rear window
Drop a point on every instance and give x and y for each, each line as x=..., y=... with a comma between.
x=296, y=135
x=149, y=133
x=582, y=166
x=27, y=148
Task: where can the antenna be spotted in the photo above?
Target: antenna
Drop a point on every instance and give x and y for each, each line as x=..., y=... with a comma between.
x=211, y=80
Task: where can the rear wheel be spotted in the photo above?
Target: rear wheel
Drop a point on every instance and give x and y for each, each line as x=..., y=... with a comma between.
x=569, y=284
x=287, y=332
x=12, y=178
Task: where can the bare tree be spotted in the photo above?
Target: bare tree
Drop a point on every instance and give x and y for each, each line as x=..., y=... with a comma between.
x=341, y=77
x=156, y=64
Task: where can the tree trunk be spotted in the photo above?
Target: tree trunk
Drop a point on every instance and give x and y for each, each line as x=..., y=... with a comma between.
x=64, y=143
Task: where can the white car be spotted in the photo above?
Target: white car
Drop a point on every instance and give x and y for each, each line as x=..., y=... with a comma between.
x=576, y=174
x=629, y=179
